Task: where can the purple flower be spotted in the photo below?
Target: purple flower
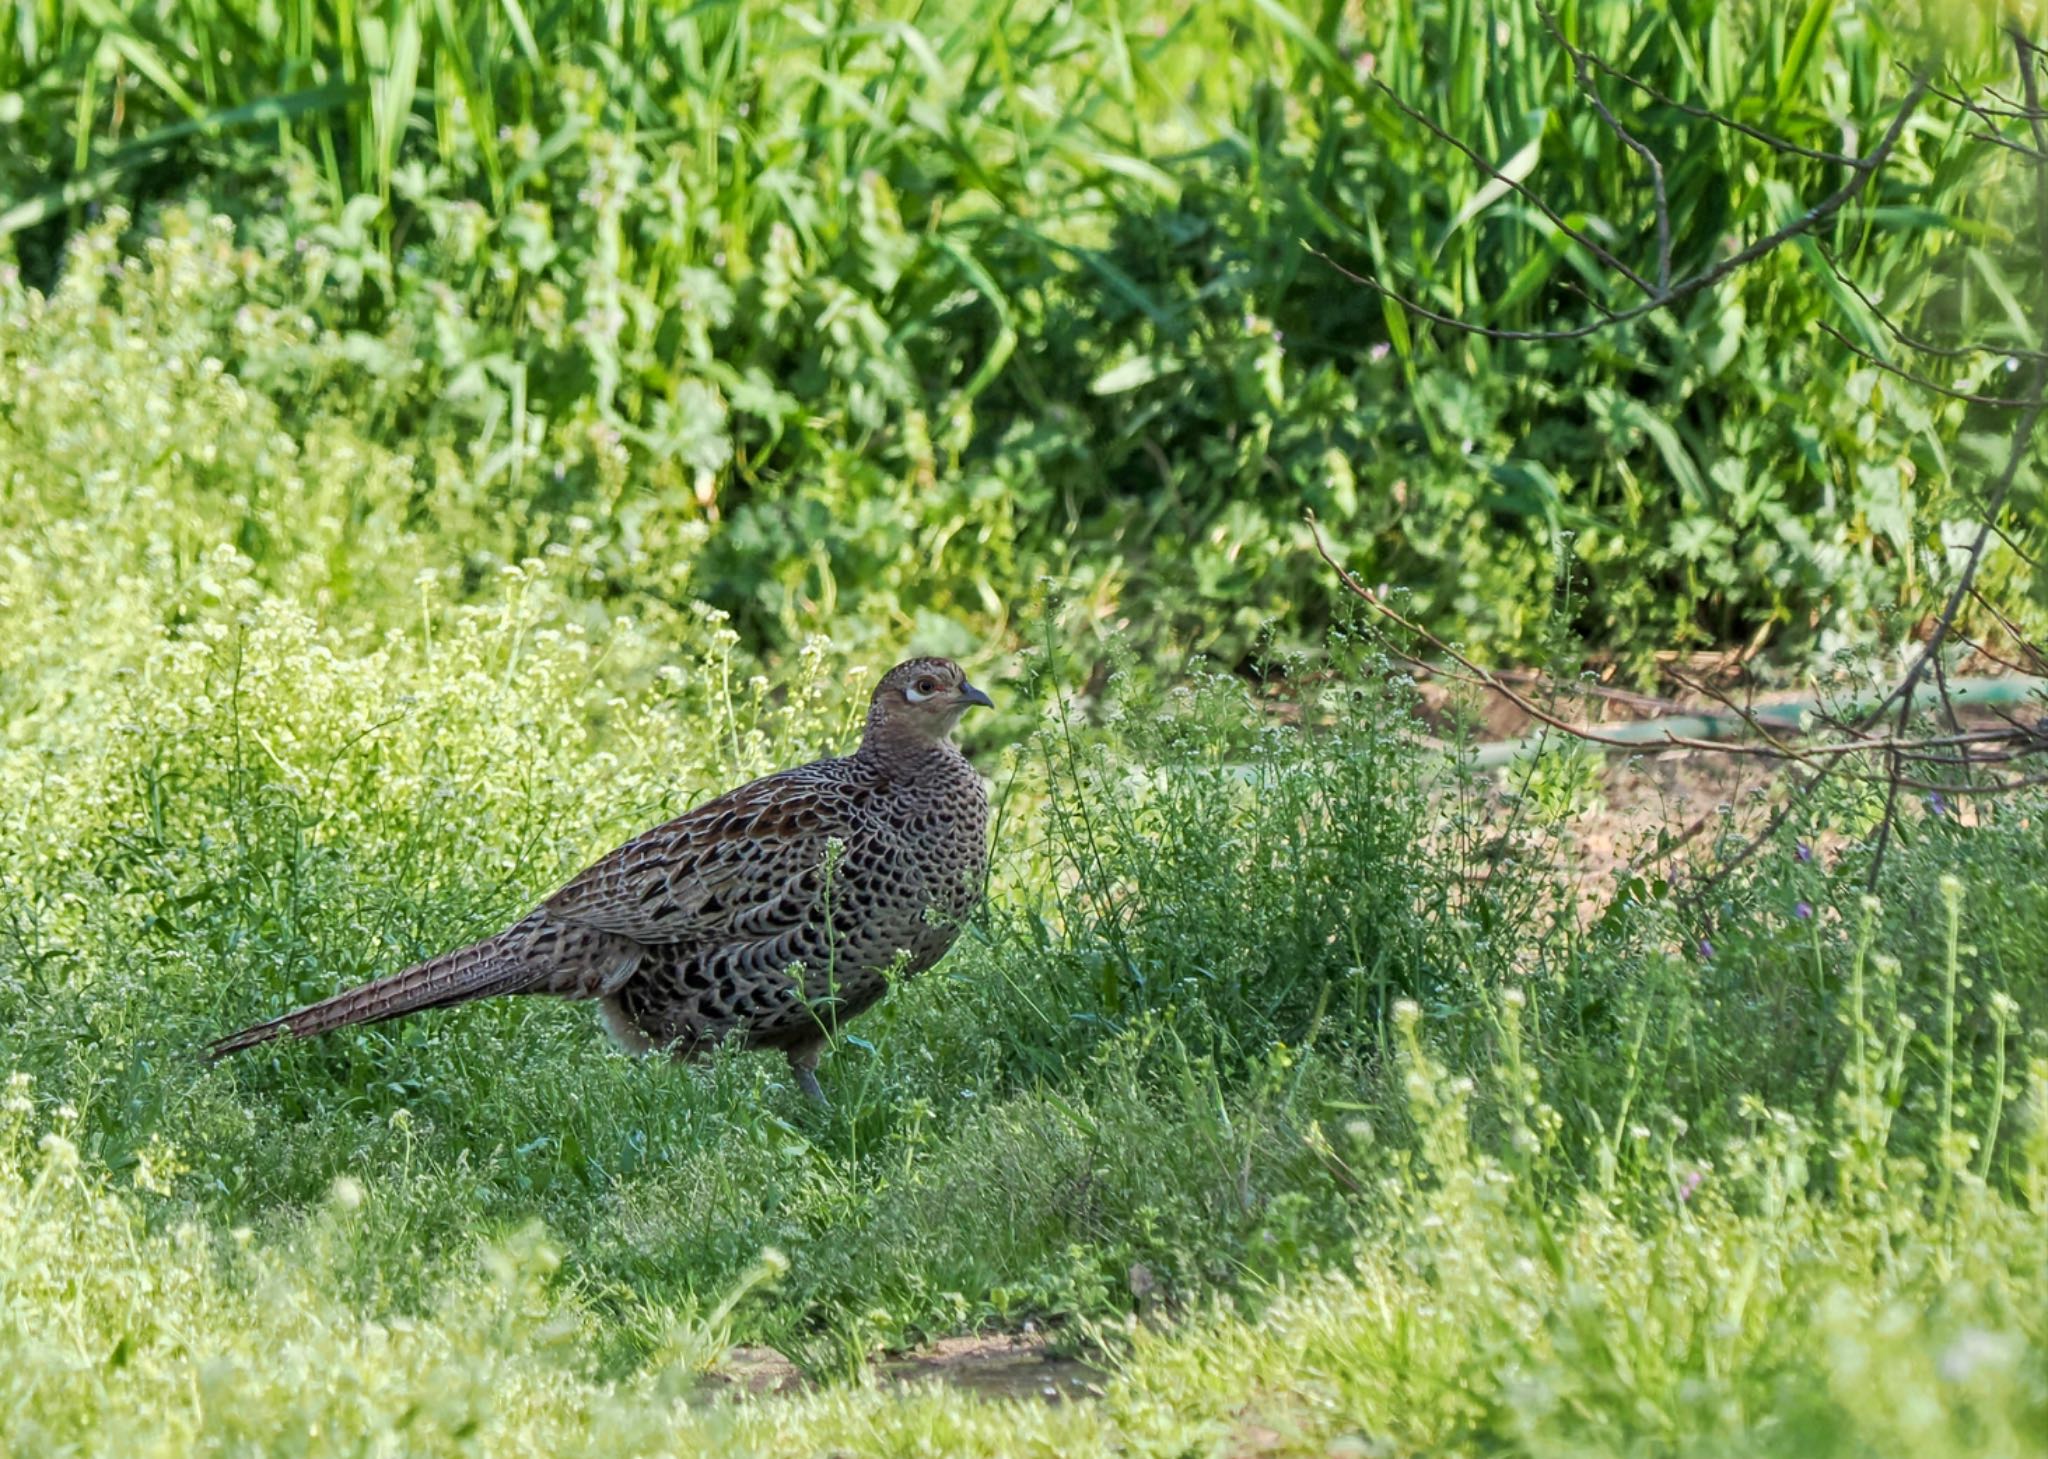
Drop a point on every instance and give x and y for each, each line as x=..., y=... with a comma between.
x=1803, y=851
x=1802, y=910
x=1689, y=1184
x=1937, y=803
x=1706, y=948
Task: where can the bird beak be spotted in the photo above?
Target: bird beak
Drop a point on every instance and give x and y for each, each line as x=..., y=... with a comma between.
x=971, y=695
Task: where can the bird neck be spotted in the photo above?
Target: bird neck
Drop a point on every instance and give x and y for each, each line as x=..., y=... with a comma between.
x=900, y=754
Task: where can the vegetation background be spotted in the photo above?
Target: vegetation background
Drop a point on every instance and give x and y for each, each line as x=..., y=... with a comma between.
x=438, y=440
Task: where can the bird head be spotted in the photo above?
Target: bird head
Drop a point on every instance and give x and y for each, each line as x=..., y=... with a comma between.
x=921, y=700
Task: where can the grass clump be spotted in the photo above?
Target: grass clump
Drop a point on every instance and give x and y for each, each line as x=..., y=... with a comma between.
x=1700, y=1295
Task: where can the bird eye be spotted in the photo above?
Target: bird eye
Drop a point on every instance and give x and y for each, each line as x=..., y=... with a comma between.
x=926, y=686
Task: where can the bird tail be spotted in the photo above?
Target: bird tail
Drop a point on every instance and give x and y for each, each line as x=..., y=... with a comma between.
x=481, y=970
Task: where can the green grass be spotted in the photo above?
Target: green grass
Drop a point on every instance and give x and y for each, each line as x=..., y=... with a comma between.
x=1689, y=1300
x=890, y=310
x=1413, y=1163
x=1271, y=1075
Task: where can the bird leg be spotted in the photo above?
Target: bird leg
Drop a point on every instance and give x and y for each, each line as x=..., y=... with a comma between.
x=803, y=1063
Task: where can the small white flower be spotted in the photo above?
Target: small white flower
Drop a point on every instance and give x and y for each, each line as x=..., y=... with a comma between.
x=60, y=1151
x=1976, y=1349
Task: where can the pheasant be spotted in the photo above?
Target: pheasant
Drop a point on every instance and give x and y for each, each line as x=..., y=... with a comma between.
x=769, y=915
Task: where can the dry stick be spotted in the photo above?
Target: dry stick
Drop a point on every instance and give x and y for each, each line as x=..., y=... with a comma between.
x=1863, y=170
x=1970, y=104
x=2010, y=145
x=1702, y=113
x=1582, y=73
x=1809, y=755
x=2023, y=430
x=1989, y=788
x=1522, y=190
x=1822, y=761
x=1830, y=758
x=1911, y=377
x=1930, y=654
x=1960, y=756
x=2012, y=352
x=1628, y=698
x=1573, y=286
x=1986, y=651
x=2016, y=550
x=1748, y=717
x=2019, y=638
x=2020, y=741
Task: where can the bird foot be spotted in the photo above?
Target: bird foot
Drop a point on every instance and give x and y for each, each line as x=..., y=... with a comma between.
x=807, y=1081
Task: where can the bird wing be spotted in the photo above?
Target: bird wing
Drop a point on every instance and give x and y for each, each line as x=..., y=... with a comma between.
x=743, y=863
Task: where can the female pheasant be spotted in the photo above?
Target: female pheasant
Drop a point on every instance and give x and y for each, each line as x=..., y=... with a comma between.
x=738, y=919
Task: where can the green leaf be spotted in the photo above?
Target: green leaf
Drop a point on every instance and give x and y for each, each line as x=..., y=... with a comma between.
x=522, y=31
x=1801, y=50
x=1136, y=371
x=392, y=91
x=1516, y=169
x=1397, y=327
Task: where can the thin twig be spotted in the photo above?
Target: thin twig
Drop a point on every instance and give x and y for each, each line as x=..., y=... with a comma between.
x=1772, y=748
x=1582, y=72
x=2013, y=631
x=2034, y=153
x=1862, y=171
x=2001, y=402
x=1701, y=113
x=1877, y=311
x=1521, y=189
x=1977, y=108
x=2023, y=430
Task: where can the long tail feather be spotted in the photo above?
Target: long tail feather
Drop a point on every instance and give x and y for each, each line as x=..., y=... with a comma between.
x=483, y=970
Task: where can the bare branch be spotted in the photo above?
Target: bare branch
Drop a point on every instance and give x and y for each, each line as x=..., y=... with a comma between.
x=2013, y=631
x=2006, y=111
x=1862, y=171
x=1877, y=310
x=2034, y=153
x=1582, y=72
x=1960, y=761
x=1772, y=747
x=1914, y=378
x=2022, y=432
x=1700, y=113
x=1521, y=190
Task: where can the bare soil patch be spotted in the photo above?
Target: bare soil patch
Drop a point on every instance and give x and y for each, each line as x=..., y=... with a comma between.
x=1004, y=1365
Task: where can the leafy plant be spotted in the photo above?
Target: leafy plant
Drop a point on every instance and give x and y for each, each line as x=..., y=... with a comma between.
x=810, y=311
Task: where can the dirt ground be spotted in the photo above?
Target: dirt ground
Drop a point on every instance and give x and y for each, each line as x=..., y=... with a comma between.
x=999, y=1366
x=1698, y=797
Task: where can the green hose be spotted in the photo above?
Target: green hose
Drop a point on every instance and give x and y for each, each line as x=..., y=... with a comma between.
x=1787, y=714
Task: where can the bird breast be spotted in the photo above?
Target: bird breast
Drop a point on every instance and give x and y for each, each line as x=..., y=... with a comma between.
x=924, y=857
